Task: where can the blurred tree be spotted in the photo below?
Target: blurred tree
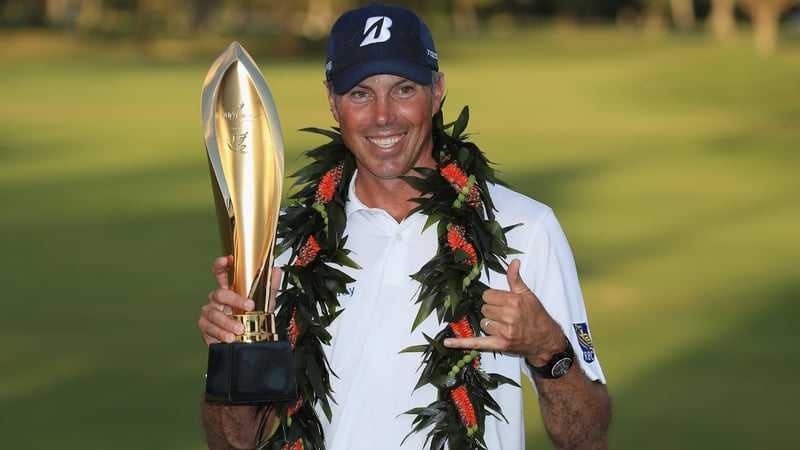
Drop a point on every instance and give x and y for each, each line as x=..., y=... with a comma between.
x=765, y=16
x=37, y=13
x=201, y=12
x=722, y=18
x=146, y=14
x=465, y=19
x=658, y=13
x=296, y=26
x=318, y=19
x=21, y=13
x=655, y=12
x=287, y=37
x=465, y=15
x=89, y=14
x=682, y=14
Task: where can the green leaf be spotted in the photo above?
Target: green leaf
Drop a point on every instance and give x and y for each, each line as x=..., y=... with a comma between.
x=418, y=183
x=426, y=307
x=414, y=349
x=461, y=123
x=437, y=345
x=334, y=135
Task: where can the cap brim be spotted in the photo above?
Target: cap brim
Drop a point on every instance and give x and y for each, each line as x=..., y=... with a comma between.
x=351, y=76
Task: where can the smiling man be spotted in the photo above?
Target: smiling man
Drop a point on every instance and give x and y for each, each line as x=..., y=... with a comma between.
x=498, y=319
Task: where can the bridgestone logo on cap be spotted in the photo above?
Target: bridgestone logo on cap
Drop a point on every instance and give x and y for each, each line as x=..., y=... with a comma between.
x=376, y=30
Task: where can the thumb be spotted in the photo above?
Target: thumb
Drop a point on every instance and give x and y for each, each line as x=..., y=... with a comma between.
x=221, y=268
x=515, y=283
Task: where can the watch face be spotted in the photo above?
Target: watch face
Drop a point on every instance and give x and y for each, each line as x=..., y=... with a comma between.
x=561, y=367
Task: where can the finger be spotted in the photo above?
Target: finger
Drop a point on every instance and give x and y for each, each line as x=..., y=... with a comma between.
x=213, y=334
x=474, y=343
x=220, y=270
x=493, y=297
x=224, y=297
x=497, y=297
x=485, y=324
x=277, y=273
x=496, y=328
x=493, y=312
x=215, y=325
x=515, y=283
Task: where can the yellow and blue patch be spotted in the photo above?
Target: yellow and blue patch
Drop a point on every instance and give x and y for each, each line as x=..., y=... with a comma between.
x=585, y=341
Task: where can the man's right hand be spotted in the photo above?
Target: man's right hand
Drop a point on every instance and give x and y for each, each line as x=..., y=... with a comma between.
x=215, y=322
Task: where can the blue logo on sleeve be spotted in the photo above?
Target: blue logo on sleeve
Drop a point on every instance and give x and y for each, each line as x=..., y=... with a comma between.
x=585, y=341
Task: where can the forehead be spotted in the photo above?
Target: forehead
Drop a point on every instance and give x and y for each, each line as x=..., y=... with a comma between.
x=383, y=80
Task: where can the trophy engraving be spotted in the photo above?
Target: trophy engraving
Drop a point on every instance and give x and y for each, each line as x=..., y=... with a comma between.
x=245, y=153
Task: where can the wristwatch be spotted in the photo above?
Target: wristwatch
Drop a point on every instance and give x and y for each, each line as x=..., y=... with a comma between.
x=558, y=366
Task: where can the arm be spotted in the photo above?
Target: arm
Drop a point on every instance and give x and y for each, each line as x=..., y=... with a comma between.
x=576, y=411
x=236, y=427
x=229, y=426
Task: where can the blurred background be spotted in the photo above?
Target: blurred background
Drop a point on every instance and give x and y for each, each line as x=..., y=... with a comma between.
x=665, y=135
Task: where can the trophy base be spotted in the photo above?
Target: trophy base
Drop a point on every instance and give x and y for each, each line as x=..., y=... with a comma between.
x=250, y=373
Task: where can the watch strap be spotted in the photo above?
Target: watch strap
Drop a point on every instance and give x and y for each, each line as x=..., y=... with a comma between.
x=558, y=366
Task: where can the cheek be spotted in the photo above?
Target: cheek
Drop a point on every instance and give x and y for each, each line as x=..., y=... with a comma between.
x=349, y=117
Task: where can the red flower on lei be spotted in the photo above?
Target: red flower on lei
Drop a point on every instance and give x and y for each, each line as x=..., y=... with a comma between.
x=462, y=329
x=294, y=331
x=465, y=409
x=463, y=184
x=308, y=252
x=328, y=184
x=297, y=445
x=456, y=238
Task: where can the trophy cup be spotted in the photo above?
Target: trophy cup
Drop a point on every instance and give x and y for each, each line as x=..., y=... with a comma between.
x=245, y=154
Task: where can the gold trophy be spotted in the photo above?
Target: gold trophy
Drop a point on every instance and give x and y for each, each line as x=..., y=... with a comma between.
x=245, y=154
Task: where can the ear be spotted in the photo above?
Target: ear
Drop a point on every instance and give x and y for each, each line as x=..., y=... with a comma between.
x=438, y=94
x=332, y=101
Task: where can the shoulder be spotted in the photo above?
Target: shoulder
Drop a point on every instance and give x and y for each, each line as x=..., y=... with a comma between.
x=535, y=227
x=513, y=207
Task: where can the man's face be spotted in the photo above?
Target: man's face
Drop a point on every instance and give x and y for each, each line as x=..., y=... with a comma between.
x=385, y=120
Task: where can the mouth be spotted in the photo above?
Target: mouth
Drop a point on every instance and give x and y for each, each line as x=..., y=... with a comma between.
x=386, y=142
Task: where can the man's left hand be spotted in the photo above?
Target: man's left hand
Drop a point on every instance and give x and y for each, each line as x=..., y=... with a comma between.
x=515, y=322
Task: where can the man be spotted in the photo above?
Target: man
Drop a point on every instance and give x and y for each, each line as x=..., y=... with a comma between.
x=384, y=87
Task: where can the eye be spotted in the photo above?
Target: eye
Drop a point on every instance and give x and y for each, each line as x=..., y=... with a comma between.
x=406, y=90
x=358, y=95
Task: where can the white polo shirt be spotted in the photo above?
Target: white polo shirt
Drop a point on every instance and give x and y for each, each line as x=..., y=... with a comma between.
x=375, y=383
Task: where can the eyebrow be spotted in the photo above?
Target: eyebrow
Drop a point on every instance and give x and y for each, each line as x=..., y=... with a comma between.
x=402, y=80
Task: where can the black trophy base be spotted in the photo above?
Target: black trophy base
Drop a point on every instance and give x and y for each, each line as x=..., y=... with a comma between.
x=250, y=373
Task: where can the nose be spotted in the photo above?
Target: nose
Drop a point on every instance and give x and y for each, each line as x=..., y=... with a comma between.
x=384, y=110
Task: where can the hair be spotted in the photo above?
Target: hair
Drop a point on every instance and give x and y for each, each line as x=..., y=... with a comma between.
x=435, y=77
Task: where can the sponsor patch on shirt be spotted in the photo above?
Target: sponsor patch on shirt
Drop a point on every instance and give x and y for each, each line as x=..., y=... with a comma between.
x=585, y=341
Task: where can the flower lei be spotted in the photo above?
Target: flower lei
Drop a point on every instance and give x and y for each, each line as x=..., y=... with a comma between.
x=470, y=241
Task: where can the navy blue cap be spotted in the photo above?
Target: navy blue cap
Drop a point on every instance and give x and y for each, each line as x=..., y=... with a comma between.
x=379, y=39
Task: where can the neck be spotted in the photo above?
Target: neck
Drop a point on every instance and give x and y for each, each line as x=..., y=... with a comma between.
x=391, y=195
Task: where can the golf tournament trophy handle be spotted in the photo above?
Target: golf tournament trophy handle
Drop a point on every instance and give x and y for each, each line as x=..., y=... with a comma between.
x=245, y=154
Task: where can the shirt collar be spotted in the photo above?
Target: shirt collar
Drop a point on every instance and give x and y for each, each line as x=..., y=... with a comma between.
x=354, y=204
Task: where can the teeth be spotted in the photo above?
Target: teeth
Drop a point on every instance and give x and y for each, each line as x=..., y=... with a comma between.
x=385, y=142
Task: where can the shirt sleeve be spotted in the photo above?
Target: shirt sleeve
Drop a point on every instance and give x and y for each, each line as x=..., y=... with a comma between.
x=548, y=268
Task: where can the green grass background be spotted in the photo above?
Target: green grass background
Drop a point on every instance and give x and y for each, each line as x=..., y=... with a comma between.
x=672, y=164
